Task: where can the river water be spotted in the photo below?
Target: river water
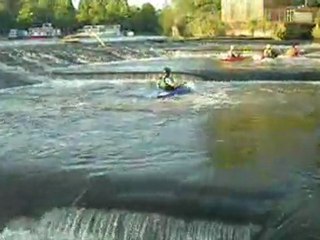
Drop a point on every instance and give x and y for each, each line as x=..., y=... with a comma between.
x=90, y=156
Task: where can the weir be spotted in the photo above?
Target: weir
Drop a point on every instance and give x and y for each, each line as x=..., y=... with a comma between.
x=33, y=193
x=206, y=69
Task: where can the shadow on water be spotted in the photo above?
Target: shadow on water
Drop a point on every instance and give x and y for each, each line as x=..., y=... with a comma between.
x=272, y=138
x=9, y=80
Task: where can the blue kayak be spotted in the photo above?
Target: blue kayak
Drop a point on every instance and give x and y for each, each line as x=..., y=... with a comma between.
x=178, y=91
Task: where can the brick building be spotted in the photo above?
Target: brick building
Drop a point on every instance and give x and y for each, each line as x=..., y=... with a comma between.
x=233, y=11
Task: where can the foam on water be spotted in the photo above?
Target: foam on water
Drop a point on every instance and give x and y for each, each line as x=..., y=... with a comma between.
x=86, y=224
x=19, y=43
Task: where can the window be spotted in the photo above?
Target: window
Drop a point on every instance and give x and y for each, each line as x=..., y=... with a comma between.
x=289, y=15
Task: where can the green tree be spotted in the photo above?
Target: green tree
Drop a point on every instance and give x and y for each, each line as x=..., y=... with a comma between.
x=43, y=11
x=146, y=20
x=317, y=18
x=313, y=3
x=253, y=25
x=127, y=23
x=316, y=29
x=194, y=17
x=12, y=6
x=97, y=12
x=184, y=7
x=116, y=11
x=310, y=3
x=167, y=20
x=83, y=15
x=6, y=17
x=26, y=15
x=64, y=14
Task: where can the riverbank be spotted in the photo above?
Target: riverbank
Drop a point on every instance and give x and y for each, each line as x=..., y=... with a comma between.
x=164, y=39
x=243, y=40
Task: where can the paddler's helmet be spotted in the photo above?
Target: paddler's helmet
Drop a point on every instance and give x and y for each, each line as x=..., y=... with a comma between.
x=167, y=70
x=268, y=46
x=231, y=47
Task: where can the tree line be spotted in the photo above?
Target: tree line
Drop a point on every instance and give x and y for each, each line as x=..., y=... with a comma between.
x=193, y=18
x=62, y=14
x=183, y=17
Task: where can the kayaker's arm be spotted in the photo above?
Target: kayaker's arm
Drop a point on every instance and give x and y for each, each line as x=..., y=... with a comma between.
x=169, y=81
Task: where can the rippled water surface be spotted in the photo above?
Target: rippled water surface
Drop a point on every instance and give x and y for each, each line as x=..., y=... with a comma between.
x=104, y=159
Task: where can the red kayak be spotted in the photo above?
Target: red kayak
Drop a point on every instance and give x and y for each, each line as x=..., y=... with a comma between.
x=235, y=59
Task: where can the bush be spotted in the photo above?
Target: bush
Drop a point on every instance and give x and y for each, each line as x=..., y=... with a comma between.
x=265, y=25
x=252, y=26
x=221, y=29
x=206, y=25
x=279, y=31
x=293, y=31
x=316, y=32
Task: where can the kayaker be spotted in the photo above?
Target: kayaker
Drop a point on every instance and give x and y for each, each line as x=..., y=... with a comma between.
x=293, y=51
x=167, y=82
x=231, y=53
x=269, y=52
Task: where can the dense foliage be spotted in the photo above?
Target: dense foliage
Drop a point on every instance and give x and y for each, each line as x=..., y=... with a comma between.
x=187, y=17
x=27, y=13
x=195, y=18
x=310, y=3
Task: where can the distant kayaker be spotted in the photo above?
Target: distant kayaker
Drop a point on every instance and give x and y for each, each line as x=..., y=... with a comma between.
x=232, y=53
x=269, y=52
x=167, y=82
x=293, y=51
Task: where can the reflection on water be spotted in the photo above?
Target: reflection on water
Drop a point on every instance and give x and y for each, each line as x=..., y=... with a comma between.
x=276, y=126
x=273, y=132
x=271, y=139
